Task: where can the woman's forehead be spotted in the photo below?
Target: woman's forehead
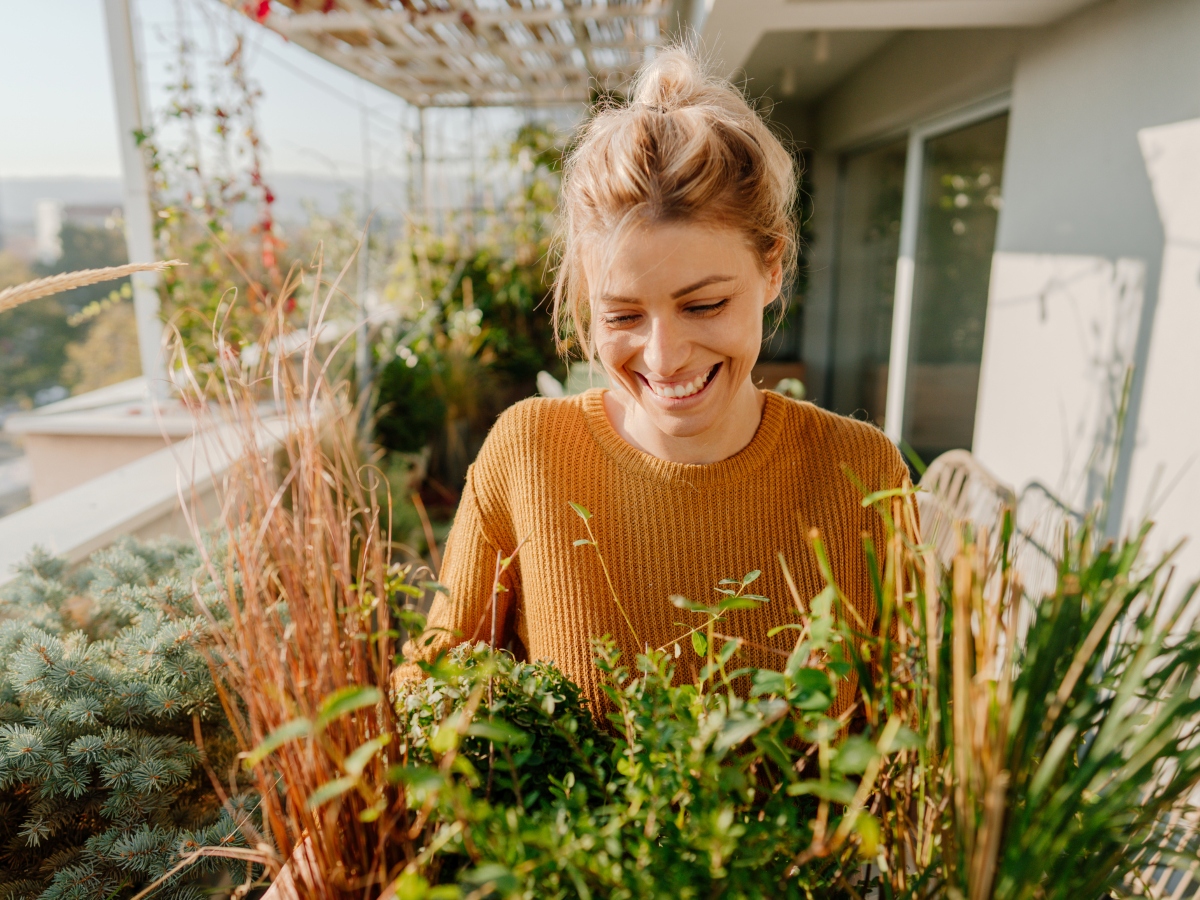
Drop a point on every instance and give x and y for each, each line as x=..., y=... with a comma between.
x=667, y=259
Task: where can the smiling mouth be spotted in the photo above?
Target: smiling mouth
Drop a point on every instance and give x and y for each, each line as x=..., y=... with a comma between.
x=682, y=391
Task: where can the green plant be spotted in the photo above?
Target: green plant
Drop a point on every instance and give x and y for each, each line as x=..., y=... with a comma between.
x=704, y=789
x=1002, y=749
x=529, y=732
x=472, y=335
x=110, y=730
x=1077, y=743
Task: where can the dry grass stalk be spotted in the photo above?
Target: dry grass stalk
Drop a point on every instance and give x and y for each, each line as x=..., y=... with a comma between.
x=308, y=580
x=55, y=284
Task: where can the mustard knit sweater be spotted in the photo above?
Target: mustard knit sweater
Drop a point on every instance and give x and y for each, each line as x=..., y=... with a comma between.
x=663, y=528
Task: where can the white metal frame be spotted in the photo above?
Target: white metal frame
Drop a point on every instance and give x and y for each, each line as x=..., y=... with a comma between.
x=128, y=91
x=914, y=171
x=476, y=53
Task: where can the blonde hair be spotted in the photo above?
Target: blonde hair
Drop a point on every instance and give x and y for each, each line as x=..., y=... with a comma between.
x=687, y=147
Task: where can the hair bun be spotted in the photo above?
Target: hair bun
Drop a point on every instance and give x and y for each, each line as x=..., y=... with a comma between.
x=672, y=80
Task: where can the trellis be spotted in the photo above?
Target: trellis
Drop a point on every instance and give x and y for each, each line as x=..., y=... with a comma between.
x=474, y=52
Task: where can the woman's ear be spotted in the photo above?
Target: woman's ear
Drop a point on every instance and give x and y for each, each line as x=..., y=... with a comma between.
x=774, y=283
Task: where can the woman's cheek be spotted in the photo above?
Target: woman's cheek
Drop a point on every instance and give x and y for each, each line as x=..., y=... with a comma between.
x=615, y=350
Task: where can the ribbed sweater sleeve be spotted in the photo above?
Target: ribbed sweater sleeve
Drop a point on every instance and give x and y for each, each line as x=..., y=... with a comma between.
x=469, y=572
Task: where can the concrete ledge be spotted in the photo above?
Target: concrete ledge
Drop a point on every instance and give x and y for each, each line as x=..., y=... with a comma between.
x=143, y=498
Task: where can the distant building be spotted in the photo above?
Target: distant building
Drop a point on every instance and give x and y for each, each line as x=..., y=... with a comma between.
x=51, y=215
x=47, y=229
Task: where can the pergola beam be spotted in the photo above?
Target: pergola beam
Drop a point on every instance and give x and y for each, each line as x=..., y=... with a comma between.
x=470, y=56
x=367, y=20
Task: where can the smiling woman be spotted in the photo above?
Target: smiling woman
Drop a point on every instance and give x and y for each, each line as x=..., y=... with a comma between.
x=676, y=234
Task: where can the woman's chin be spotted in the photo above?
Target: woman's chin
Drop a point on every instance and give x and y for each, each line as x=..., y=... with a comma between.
x=682, y=418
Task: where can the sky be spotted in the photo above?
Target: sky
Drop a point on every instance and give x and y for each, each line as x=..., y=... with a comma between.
x=56, y=107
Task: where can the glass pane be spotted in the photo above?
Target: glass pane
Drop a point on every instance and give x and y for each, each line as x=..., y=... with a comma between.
x=868, y=244
x=960, y=201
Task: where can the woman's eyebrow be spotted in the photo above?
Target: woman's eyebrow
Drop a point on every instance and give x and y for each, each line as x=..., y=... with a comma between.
x=675, y=295
x=703, y=282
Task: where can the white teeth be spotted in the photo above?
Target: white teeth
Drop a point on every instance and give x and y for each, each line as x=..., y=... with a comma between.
x=678, y=391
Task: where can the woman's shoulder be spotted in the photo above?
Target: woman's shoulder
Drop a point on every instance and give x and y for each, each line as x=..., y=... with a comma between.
x=530, y=422
x=531, y=431
x=847, y=443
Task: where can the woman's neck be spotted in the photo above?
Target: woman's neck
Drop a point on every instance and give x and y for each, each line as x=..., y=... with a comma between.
x=735, y=430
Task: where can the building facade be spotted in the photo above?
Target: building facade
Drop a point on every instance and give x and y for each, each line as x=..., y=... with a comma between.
x=1004, y=249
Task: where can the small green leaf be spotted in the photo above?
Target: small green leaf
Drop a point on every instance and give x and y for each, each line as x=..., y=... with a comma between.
x=444, y=739
x=905, y=739
x=373, y=812
x=790, y=626
x=736, y=731
x=419, y=778
x=699, y=643
x=727, y=650
x=768, y=682
x=345, y=700
x=854, y=755
x=732, y=603
x=580, y=511
x=750, y=577
x=494, y=874
x=582, y=542
x=357, y=761
x=872, y=499
x=728, y=581
x=868, y=830
x=331, y=789
x=435, y=586
x=835, y=791
x=289, y=731
x=689, y=605
x=498, y=731
x=813, y=691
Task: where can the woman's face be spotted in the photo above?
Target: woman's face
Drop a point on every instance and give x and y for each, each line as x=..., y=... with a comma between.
x=677, y=323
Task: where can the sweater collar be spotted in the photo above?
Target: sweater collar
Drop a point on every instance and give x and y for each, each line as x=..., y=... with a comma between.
x=742, y=464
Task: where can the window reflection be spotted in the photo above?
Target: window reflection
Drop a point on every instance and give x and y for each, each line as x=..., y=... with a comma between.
x=868, y=244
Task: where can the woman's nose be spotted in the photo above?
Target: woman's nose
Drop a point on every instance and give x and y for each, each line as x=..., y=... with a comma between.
x=666, y=350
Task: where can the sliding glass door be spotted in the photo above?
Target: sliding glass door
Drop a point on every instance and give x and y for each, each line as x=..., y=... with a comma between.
x=956, y=236
x=915, y=237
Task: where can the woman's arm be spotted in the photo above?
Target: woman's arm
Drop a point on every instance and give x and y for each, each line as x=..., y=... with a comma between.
x=465, y=611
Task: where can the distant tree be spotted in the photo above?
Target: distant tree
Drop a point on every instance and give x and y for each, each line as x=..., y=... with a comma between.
x=87, y=247
x=108, y=354
x=33, y=339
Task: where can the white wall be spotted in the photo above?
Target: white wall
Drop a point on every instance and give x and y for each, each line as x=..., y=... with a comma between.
x=1078, y=199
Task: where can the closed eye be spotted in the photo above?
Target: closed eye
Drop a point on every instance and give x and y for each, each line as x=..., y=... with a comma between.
x=621, y=318
x=708, y=308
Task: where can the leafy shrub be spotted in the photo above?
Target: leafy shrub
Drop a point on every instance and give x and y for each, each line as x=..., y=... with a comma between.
x=1009, y=748
x=699, y=791
x=412, y=412
x=532, y=728
x=104, y=692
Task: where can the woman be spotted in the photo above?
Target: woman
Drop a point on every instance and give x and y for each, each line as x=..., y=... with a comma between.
x=676, y=233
